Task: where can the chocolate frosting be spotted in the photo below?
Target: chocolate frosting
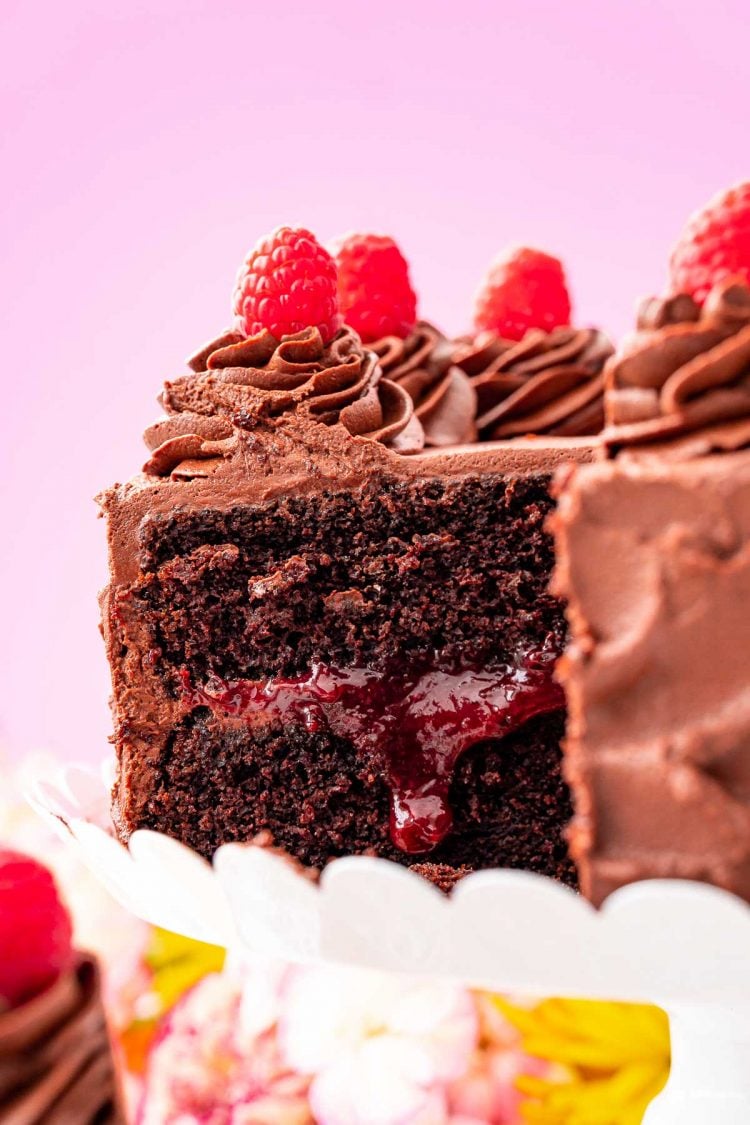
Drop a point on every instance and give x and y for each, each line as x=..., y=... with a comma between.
x=242, y=384
x=548, y=383
x=313, y=459
x=680, y=387
x=444, y=398
x=256, y=422
x=653, y=559
x=56, y=1065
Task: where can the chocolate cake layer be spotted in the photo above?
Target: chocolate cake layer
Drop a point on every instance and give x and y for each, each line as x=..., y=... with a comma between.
x=216, y=782
x=395, y=578
x=388, y=575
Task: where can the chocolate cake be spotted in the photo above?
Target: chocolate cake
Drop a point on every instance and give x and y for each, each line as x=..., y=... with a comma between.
x=653, y=548
x=321, y=630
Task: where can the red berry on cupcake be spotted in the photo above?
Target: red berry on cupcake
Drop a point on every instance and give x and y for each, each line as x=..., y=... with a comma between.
x=35, y=929
x=714, y=245
x=375, y=292
x=287, y=284
x=524, y=289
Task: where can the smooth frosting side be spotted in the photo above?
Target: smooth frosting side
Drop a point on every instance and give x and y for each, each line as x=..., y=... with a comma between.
x=548, y=383
x=653, y=559
x=680, y=387
x=56, y=1062
x=444, y=398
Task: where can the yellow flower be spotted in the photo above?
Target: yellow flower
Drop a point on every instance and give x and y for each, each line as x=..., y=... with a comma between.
x=617, y=1056
x=178, y=963
x=175, y=964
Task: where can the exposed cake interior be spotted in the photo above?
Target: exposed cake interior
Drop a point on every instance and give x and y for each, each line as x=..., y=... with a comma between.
x=355, y=670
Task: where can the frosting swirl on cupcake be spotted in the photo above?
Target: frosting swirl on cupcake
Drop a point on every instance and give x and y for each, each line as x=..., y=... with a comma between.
x=242, y=383
x=548, y=383
x=55, y=1058
x=680, y=387
x=422, y=364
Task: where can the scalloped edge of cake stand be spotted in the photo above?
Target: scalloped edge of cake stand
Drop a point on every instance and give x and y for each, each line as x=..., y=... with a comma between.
x=682, y=945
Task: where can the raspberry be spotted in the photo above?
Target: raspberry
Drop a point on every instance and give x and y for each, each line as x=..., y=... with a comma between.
x=714, y=245
x=35, y=929
x=524, y=289
x=374, y=288
x=286, y=284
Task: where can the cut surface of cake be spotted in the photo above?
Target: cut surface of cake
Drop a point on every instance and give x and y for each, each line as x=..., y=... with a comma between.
x=653, y=553
x=322, y=631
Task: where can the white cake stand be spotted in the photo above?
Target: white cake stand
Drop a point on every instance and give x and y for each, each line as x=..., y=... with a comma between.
x=684, y=946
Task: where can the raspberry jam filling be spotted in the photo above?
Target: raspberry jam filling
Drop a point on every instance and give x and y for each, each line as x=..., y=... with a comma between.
x=416, y=726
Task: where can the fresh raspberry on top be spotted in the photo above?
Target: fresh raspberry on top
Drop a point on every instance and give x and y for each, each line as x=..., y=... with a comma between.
x=287, y=284
x=35, y=929
x=715, y=244
x=524, y=289
x=375, y=292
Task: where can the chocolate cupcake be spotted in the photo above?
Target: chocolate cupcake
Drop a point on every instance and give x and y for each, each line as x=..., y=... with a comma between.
x=56, y=1062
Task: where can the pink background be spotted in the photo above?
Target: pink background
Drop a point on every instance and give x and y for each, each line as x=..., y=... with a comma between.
x=148, y=144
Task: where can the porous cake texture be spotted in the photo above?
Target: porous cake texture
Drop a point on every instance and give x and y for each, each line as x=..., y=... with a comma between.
x=320, y=631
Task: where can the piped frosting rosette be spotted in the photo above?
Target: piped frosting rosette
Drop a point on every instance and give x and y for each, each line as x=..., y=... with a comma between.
x=55, y=1058
x=547, y=383
x=242, y=383
x=444, y=399
x=680, y=387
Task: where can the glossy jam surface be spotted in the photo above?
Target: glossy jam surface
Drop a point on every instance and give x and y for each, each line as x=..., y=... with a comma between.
x=415, y=726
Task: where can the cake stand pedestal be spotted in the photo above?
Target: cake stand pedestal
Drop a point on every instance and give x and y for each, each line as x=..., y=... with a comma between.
x=710, y=1076
x=684, y=946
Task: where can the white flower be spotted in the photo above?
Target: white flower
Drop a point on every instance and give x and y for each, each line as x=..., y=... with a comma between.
x=381, y=1048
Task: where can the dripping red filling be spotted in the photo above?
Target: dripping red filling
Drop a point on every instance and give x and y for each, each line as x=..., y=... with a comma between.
x=415, y=725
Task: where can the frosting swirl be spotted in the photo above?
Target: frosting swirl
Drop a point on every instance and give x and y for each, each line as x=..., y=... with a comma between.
x=548, y=383
x=444, y=400
x=680, y=387
x=55, y=1057
x=244, y=383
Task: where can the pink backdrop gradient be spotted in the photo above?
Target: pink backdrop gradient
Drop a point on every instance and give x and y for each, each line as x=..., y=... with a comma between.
x=146, y=145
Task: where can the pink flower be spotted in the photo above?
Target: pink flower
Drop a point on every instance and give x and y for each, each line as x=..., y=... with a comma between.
x=206, y=1070
x=487, y=1091
x=381, y=1049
